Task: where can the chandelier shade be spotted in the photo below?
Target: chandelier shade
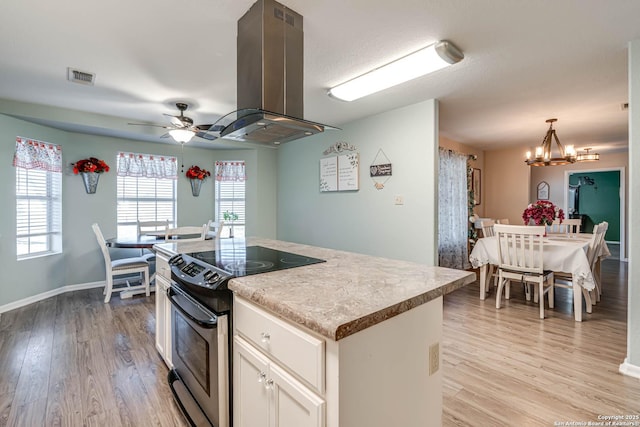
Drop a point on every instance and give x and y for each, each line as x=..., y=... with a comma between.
x=546, y=156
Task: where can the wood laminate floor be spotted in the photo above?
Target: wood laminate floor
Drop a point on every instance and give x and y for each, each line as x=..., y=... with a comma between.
x=507, y=367
x=72, y=360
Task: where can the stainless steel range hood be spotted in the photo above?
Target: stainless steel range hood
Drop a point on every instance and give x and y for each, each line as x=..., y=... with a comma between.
x=270, y=77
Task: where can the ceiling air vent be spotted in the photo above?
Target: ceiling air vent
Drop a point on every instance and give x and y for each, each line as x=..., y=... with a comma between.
x=82, y=77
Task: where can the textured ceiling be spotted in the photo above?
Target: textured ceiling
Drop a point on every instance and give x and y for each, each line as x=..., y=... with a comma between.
x=526, y=61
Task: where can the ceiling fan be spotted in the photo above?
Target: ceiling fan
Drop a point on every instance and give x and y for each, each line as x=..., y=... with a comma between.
x=182, y=128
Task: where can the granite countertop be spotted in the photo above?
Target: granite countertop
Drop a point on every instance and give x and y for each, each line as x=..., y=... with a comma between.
x=346, y=294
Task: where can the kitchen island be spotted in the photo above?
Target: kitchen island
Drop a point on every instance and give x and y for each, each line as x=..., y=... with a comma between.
x=353, y=341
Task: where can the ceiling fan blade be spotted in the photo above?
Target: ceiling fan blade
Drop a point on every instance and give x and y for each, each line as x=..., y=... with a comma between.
x=206, y=135
x=175, y=120
x=166, y=135
x=150, y=124
x=210, y=128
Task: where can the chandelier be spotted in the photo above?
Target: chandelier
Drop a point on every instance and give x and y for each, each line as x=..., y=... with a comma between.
x=588, y=156
x=543, y=155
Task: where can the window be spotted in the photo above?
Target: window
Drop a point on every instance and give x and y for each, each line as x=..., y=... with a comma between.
x=230, y=196
x=38, y=198
x=144, y=193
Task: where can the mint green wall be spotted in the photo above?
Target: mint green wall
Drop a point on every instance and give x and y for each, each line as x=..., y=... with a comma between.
x=366, y=221
x=601, y=201
x=81, y=262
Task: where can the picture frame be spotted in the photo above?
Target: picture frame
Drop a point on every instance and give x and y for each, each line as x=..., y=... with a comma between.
x=543, y=191
x=476, y=185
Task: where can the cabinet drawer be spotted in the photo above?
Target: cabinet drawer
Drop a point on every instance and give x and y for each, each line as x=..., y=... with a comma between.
x=297, y=351
x=162, y=266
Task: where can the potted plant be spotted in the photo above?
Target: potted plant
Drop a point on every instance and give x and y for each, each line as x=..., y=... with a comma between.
x=90, y=169
x=230, y=217
x=196, y=175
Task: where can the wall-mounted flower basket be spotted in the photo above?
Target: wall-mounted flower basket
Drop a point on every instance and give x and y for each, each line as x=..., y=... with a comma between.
x=195, y=187
x=90, y=169
x=196, y=175
x=90, y=180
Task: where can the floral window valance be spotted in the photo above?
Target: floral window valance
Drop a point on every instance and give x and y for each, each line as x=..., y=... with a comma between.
x=33, y=154
x=231, y=171
x=147, y=165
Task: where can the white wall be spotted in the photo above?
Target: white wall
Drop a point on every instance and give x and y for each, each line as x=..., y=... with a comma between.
x=632, y=362
x=367, y=221
x=81, y=261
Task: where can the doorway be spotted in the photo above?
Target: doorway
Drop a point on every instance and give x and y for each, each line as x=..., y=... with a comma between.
x=598, y=195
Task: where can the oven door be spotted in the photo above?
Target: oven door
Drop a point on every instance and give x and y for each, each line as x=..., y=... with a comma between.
x=200, y=378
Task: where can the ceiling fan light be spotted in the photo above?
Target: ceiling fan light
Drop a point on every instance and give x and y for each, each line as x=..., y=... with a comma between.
x=182, y=135
x=424, y=61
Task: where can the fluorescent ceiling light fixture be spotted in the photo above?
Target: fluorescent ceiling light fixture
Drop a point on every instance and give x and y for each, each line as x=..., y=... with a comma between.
x=432, y=58
x=182, y=135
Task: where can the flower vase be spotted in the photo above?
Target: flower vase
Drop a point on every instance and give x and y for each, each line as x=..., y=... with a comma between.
x=195, y=187
x=231, y=231
x=90, y=180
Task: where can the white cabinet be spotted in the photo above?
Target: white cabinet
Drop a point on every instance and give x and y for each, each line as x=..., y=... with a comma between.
x=163, y=309
x=278, y=373
x=265, y=395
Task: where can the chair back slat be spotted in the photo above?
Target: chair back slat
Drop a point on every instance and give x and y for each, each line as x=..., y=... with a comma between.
x=199, y=231
x=599, y=230
x=568, y=226
x=520, y=247
x=145, y=227
x=103, y=245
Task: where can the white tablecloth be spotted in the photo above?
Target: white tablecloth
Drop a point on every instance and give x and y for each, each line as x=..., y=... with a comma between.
x=561, y=253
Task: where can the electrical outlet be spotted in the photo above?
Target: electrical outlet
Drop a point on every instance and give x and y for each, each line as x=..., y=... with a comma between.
x=434, y=358
x=399, y=200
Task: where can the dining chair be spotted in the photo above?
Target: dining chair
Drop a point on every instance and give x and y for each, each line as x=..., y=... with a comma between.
x=520, y=252
x=502, y=221
x=215, y=227
x=487, y=227
x=197, y=232
x=145, y=227
x=568, y=226
x=120, y=267
x=564, y=279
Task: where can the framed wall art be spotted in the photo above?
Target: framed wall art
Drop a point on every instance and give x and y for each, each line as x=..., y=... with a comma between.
x=543, y=191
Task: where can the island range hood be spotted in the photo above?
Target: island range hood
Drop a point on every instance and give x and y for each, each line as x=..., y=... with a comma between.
x=270, y=77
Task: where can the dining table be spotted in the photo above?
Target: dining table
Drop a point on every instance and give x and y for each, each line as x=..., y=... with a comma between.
x=561, y=253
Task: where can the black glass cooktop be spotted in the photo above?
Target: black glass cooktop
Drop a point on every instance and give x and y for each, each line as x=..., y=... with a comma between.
x=244, y=261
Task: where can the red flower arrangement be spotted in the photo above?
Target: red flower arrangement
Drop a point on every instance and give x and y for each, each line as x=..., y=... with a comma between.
x=542, y=212
x=90, y=165
x=195, y=172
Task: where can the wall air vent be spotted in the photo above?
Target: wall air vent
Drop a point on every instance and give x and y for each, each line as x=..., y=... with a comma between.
x=82, y=77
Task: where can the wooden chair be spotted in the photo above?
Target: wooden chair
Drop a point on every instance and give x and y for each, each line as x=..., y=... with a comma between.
x=145, y=227
x=215, y=227
x=563, y=279
x=198, y=233
x=520, y=251
x=120, y=267
x=568, y=226
x=487, y=227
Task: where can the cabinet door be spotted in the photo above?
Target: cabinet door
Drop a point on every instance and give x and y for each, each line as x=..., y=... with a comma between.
x=161, y=329
x=163, y=320
x=250, y=387
x=294, y=405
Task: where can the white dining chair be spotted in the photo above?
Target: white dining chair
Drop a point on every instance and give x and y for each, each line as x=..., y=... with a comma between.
x=487, y=227
x=198, y=233
x=593, y=254
x=520, y=252
x=502, y=221
x=215, y=227
x=121, y=267
x=568, y=226
x=154, y=227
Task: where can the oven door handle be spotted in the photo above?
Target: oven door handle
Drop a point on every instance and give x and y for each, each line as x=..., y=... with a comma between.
x=191, y=309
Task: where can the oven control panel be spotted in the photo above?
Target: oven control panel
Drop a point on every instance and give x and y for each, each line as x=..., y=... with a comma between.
x=189, y=271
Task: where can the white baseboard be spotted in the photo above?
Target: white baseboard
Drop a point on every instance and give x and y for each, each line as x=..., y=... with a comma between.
x=49, y=294
x=627, y=368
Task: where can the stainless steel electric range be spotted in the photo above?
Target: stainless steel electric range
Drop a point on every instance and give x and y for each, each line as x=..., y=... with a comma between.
x=201, y=306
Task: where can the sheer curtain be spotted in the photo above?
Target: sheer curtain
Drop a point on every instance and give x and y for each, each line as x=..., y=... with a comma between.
x=452, y=210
